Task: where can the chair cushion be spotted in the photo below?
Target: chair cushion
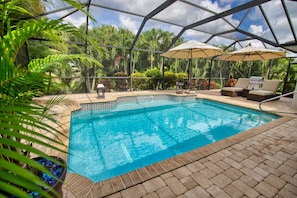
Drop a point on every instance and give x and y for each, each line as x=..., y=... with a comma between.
x=232, y=89
x=261, y=92
x=243, y=83
x=271, y=85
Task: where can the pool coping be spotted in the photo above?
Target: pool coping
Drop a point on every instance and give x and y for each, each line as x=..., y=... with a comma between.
x=79, y=186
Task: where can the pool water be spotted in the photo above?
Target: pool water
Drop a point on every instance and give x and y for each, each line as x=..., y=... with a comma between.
x=107, y=143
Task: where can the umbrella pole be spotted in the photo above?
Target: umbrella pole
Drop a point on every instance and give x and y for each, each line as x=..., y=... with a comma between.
x=286, y=77
x=190, y=70
x=130, y=67
x=163, y=73
x=269, y=69
x=209, y=79
x=250, y=69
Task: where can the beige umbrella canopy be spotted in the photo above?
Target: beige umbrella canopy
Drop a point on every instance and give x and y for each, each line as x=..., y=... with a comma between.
x=250, y=53
x=193, y=49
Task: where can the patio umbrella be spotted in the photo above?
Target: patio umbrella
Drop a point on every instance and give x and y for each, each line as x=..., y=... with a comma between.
x=250, y=53
x=193, y=49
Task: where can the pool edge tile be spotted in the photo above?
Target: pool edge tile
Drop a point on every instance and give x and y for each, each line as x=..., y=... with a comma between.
x=127, y=180
x=105, y=186
x=136, y=178
x=159, y=168
x=117, y=183
x=152, y=171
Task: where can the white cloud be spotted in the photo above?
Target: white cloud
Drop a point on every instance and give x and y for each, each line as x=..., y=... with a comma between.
x=60, y=14
x=139, y=6
x=224, y=2
x=255, y=14
x=192, y=34
x=256, y=29
x=220, y=41
x=77, y=18
x=127, y=22
x=214, y=6
x=76, y=21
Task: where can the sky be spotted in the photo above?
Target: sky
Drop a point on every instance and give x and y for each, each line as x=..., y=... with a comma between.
x=182, y=14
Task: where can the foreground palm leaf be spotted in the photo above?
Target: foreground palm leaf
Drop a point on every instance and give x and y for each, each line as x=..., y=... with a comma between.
x=22, y=121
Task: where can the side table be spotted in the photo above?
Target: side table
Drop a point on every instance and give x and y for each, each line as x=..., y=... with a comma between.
x=245, y=92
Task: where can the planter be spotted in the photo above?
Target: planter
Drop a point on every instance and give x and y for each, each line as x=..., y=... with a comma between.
x=56, y=169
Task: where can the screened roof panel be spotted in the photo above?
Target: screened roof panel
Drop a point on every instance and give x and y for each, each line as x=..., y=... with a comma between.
x=203, y=20
x=60, y=14
x=238, y=17
x=196, y=35
x=182, y=14
x=280, y=26
x=217, y=6
x=57, y=4
x=291, y=7
x=76, y=18
x=115, y=18
x=142, y=7
x=254, y=18
x=219, y=39
x=215, y=27
x=161, y=25
x=236, y=36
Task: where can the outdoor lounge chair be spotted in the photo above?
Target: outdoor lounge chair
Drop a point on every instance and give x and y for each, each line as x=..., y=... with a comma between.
x=268, y=90
x=241, y=84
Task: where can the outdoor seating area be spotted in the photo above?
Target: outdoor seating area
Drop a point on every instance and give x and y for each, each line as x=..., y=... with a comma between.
x=254, y=88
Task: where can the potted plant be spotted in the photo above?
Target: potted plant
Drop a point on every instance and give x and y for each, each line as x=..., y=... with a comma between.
x=55, y=179
x=23, y=122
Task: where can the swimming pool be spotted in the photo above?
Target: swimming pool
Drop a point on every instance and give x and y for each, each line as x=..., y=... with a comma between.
x=126, y=135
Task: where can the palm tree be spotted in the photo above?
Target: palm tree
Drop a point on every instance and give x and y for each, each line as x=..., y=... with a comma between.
x=21, y=119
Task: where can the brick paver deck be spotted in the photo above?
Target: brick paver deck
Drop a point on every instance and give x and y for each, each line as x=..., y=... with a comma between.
x=261, y=162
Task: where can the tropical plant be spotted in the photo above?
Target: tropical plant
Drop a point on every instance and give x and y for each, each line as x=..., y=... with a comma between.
x=181, y=77
x=24, y=122
x=155, y=78
x=121, y=82
x=279, y=71
x=139, y=81
x=169, y=79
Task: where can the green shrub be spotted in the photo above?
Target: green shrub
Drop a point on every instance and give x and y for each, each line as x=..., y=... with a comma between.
x=121, y=83
x=181, y=77
x=139, y=81
x=169, y=79
x=155, y=78
x=219, y=86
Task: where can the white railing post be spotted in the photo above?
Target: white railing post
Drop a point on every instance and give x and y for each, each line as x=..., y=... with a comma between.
x=294, y=101
x=277, y=97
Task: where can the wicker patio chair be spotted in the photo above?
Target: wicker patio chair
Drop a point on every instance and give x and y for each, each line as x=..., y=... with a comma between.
x=267, y=91
x=241, y=84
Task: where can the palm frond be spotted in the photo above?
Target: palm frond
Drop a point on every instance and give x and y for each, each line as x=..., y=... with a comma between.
x=24, y=124
x=24, y=30
x=42, y=65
